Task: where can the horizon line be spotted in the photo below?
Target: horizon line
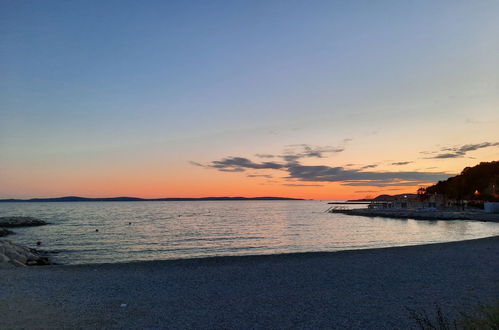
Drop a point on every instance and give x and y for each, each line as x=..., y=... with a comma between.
x=132, y=198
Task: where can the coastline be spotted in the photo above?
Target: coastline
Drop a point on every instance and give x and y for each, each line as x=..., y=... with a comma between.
x=420, y=214
x=363, y=289
x=228, y=259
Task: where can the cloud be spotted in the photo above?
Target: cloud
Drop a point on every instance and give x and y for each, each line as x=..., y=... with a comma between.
x=322, y=173
x=292, y=154
x=264, y=156
x=364, y=191
x=353, y=177
x=196, y=164
x=298, y=151
x=368, y=166
x=383, y=183
x=268, y=176
x=348, y=176
x=240, y=164
x=302, y=185
x=459, y=151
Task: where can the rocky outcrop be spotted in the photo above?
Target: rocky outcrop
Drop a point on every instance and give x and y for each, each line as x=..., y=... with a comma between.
x=5, y=232
x=20, y=222
x=14, y=255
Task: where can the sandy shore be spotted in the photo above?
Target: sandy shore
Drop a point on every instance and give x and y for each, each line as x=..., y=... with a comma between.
x=363, y=289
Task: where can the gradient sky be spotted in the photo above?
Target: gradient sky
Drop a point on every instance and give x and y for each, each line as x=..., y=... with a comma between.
x=310, y=99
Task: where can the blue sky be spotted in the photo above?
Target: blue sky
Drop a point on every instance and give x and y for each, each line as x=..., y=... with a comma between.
x=173, y=82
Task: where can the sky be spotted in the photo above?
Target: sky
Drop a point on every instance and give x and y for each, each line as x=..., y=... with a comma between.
x=307, y=99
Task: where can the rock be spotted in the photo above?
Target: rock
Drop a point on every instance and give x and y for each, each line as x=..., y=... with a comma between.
x=16, y=255
x=20, y=222
x=5, y=232
x=17, y=263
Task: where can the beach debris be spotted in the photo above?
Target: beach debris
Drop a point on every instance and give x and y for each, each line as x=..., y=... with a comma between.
x=97, y=230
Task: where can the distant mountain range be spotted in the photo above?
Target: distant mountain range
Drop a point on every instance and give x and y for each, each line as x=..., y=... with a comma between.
x=136, y=199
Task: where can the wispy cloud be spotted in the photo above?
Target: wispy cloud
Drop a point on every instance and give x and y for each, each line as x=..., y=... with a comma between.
x=196, y=164
x=348, y=176
x=381, y=183
x=241, y=163
x=268, y=176
x=302, y=185
x=298, y=151
x=353, y=177
x=401, y=163
x=264, y=156
x=458, y=151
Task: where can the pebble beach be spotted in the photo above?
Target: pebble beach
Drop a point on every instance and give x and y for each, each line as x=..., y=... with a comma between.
x=364, y=289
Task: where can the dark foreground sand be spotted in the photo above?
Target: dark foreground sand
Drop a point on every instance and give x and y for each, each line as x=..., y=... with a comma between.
x=366, y=289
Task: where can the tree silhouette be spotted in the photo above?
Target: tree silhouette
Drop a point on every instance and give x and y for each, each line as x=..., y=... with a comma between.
x=482, y=178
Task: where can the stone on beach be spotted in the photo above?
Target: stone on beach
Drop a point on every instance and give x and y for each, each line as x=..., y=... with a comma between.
x=14, y=255
x=20, y=222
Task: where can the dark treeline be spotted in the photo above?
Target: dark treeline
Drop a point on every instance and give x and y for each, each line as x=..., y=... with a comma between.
x=480, y=182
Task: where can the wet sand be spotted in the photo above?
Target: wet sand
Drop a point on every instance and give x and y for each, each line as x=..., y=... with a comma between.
x=362, y=289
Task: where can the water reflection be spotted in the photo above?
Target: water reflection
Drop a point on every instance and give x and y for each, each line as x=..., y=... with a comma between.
x=165, y=230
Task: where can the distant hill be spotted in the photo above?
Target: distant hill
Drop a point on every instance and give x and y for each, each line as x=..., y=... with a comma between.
x=385, y=197
x=393, y=197
x=136, y=199
x=477, y=182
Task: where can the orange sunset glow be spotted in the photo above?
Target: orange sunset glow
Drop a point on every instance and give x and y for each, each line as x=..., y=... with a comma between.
x=337, y=107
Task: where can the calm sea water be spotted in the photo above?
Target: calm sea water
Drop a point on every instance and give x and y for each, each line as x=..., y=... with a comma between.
x=171, y=230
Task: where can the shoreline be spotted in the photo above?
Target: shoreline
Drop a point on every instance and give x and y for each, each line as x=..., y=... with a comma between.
x=256, y=257
x=43, y=257
x=420, y=214
x=361, y=289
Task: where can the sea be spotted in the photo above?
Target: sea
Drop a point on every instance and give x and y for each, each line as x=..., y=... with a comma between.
x=112, y=232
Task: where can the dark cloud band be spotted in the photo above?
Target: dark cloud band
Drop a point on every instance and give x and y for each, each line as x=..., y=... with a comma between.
x=460, y=151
